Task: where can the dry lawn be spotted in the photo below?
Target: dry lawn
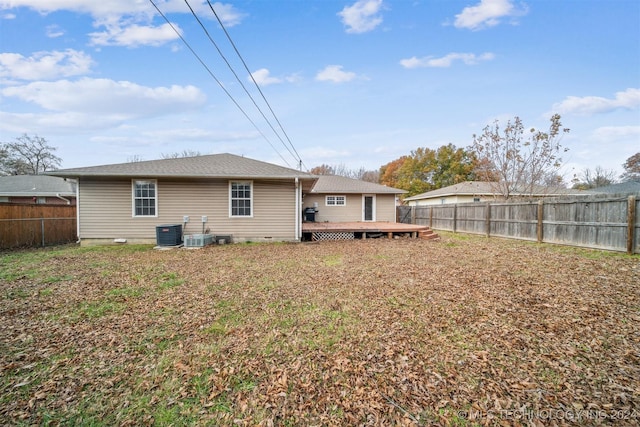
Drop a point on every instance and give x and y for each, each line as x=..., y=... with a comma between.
x=464, y=331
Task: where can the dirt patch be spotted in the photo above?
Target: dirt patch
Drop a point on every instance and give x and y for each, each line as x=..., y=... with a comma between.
x=464, y=331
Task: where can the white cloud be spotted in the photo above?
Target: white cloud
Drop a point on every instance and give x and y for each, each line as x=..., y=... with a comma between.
x=44, y=65
x=324, y=153
x=127, y=22
x=54, y=31
x=199, y=135
x=135, y=35
x=117, y=8
x=68, y=122
x=487, y=13
x=446, y=61
x=362, y=16
x=615, y=133
x=334, y=73
x=102, y=97
x=263, y=77
x=588, y=105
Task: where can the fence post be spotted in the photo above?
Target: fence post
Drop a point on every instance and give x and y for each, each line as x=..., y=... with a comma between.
x=631, y=223
x=488, y=219
x=431, y=217
x=413, y=214
x=455, y=217
x=42, y=230
x=540, y=230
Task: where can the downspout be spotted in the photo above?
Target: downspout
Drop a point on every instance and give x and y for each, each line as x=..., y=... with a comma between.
x=298, y=210
x=78, y=209
x=63, y=198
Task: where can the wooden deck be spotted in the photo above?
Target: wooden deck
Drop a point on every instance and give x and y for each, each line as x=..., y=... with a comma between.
x=363, y=229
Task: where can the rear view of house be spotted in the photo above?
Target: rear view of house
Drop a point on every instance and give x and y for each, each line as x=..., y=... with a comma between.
x=221, y=194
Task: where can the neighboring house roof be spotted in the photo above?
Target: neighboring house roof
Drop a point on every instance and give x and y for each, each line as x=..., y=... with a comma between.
x=629, y=187
x=36, y=185
x=339, y=184
x=468, y=188
x=480, y=188
x=208, y=166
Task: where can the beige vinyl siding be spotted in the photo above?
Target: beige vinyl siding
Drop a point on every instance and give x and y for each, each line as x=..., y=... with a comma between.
x=385, y=208
x=106, y=210
x=352, y=211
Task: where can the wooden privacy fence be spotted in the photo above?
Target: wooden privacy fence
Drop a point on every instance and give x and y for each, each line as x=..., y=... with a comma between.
x=36, y=225
x=611, y=223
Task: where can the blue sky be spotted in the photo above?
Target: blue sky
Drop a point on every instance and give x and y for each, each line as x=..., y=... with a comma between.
x=353, y=83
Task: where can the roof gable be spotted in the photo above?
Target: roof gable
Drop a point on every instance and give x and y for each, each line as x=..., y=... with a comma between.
x=208, y=166
x=340, y=184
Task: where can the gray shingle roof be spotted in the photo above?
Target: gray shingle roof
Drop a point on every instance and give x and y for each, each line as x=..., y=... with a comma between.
x=480, y=188
x=340, y=184
x=209, y=166
x=629, y=187
x=36, y=185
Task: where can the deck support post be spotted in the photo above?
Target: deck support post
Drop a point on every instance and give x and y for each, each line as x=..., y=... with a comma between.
x=390, y=235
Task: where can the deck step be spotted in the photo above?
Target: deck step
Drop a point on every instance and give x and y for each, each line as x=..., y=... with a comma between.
x=428, y=235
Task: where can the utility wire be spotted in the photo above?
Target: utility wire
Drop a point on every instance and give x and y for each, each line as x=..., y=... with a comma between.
x=240, y=80
x=217, y=81
x=255, y=83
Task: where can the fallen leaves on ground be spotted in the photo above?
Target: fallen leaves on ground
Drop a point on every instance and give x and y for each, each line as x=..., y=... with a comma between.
x=464, y=331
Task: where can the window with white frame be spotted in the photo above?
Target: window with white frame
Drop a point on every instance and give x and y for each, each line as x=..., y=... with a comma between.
x=145, y=198
x=335, y=200
x=240, y=198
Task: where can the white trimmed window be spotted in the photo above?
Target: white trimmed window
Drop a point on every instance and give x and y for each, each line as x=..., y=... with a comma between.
x=335, y=200
x=145, y=198
x=240, y=199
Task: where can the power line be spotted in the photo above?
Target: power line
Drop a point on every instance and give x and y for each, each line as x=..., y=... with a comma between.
x=239, y=80
x=255, y=83
x=217, y=81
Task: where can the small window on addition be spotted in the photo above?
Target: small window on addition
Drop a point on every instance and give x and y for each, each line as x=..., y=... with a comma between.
x=335, y=200
x=476, y=199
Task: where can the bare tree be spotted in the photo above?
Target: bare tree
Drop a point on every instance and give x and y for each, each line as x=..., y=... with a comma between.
x=183, y=153
x=631, y=168
x=520, y=162
x=342, y=170
x=28, y=155
x=323, y=169
x=599, y=177
x=135, y=158
x=366, y=175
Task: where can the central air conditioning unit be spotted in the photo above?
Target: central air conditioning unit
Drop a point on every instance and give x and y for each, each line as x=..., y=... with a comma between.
x=198, y=240
x=169, y=235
